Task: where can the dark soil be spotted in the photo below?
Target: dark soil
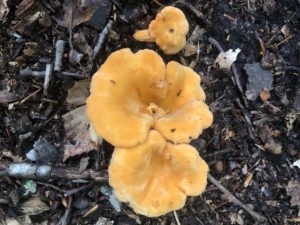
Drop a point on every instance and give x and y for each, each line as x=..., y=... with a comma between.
x=248, y=138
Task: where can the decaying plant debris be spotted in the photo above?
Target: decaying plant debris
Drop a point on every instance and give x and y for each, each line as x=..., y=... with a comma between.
x=251, y=147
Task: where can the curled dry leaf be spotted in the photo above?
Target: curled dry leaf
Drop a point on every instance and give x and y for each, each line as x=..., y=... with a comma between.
x=43, y=152
x=78, y=138
x=80, y=11
x=225, y=59
x=34, y=206
x=78, y=94
x=104, y=221
x=6, y=96
x=296, y=163
x=293, y=190
x=10, y=221
x=80, y=42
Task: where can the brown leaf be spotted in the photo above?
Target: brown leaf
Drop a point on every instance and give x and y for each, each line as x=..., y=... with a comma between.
x=236, y=218
x=76, y=12
x=84, y=162
x=293, y=190
x=34, y=206
x=6, y=96
x=80, y=42
x=78, y=94
x=78, y=133
x=10, y=221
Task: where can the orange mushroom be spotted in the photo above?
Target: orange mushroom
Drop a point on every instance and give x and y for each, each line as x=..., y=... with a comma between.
x=168, y=30
x=134, y=93
x=156, y=176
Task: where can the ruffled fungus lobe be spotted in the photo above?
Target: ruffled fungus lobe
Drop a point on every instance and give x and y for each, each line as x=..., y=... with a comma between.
x=168, y=30
x=134, y=93
x=156, y=176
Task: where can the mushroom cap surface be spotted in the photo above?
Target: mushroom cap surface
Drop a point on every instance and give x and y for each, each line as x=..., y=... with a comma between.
x=155, y=177
x=168, y=30
x=133, y=93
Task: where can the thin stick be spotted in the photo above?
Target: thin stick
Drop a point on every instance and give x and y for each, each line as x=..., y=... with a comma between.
x=48, y=77
x=101, y=39
x=233, y=199
x=59, y=51
x=44, y=172
x=176, y=218
x=29, y=72
x=64, y=220
x=158, y=3
x=195, y=11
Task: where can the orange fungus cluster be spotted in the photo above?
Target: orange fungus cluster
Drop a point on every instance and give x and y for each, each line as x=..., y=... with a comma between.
x=150, y=112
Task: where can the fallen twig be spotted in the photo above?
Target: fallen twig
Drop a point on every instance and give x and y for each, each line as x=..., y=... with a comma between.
x=192, y=8
x=48, y=77
x=247, y=119
x=64, y=220
x=233, y=199
x=29, y=72
x=176, y=218
x=42, y=172
x=59, y=51
x=101, y=39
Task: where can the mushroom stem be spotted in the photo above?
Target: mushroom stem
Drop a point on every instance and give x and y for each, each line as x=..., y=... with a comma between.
x=143, y=35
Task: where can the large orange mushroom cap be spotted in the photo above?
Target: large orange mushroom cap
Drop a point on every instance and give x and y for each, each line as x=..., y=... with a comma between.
x=168, y=30
x=134, y=93
x=155, y=177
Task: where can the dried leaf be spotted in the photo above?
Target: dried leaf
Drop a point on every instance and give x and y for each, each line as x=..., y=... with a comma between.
x=7, y=153
x=248, y=180
x=75, y=13
x=296, y=219
x=293, y=190
x=104, y=221
x=12, y=222
x=80, y=42
x=258, y=80
x=3, y=9
x=286, y=31
x=297, y=163
x=77, y=129
x=43, y=152
x=6, y=96
x=28, y=12
x=78, y=94
x=84, y=162
x=236, y=218
x=225, y=59
x=101, y=15
x=34, y=206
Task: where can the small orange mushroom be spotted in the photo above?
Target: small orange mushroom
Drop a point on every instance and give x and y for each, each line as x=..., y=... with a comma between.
x=156, y=176
x=134, y=93
x=168, y=30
